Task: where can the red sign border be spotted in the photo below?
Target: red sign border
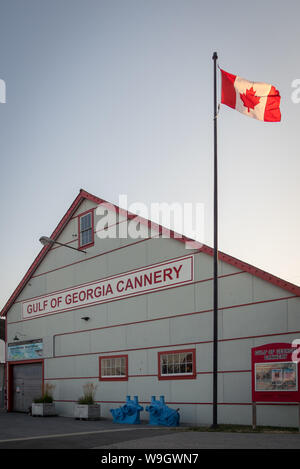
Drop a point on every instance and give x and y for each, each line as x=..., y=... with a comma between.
x=274, y=396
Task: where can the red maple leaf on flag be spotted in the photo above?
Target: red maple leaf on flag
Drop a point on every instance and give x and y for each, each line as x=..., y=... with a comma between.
x=249, y=99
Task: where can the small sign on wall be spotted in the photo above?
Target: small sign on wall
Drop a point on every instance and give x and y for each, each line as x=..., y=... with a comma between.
x=25, y=350
x=275, y=376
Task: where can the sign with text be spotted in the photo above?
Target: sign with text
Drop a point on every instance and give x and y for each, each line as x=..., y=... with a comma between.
x=152, y=278
x=275, y=376
x=25, y=350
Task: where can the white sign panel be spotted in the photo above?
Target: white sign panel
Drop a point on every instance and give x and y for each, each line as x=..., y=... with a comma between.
x=155, y=277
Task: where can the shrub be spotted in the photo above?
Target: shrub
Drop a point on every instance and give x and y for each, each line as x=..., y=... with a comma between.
x=46, y=397
x=89, y=390
x=43, y=400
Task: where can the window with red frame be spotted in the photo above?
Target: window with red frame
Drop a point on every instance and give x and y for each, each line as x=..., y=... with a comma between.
x=179, y=364
x=86, y=229
x=113, y=368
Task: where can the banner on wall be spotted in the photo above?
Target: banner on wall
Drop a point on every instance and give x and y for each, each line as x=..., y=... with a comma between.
x=156, y=277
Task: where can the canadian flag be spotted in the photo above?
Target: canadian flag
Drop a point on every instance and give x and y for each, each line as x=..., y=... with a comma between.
x=258, y=100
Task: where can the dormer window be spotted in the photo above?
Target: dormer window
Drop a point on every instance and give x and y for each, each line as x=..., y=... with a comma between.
x=86, y=229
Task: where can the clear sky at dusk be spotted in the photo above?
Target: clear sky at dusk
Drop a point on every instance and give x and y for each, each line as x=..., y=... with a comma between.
x=116, y=97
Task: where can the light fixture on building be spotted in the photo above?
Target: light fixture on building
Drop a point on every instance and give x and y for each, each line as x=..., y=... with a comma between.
x=86, y=318
x=18, y=336
x=45, y=241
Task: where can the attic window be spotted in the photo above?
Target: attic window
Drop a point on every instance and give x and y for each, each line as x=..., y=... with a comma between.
x=86, y=229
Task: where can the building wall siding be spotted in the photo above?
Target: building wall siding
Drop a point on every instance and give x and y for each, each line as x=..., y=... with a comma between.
x=251, y=313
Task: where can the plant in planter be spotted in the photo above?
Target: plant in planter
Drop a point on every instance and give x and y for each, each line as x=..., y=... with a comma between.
x=44, y=406
x=86, y=408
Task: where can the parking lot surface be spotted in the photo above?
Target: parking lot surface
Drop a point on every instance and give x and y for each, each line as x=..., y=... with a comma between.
x=22, y=431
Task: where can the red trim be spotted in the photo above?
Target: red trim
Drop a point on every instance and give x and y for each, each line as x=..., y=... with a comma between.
x=177, y=376
x=79, y=214
x=88, y=245
x=165, y=317
x=120, y=274
x=66, y=218
x=222, y=371
x=273, y=354
x=10, y=366
x=71, y=377
x=83, y=195
x=106, y=228
x=95, y=231
x=290, y=287
x=142, y=375
x=174, y=345
x=115, y=298
x=194, y=403
x=91, y=257
x=121, y=378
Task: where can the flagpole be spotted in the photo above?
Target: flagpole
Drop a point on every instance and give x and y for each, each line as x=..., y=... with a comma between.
x=215, y=281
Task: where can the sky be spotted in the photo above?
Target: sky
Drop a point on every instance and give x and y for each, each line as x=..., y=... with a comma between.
x=116, y=97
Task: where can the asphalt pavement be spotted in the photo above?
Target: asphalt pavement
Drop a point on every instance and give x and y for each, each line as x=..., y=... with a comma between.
x=21, y=431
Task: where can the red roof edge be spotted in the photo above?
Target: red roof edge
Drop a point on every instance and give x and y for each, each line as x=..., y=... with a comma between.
x=290, y=287
x=277, y=281
x=43, y=252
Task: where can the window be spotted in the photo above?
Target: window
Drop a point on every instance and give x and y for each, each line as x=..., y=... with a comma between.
x=86, y=229
x=180, y=364
x=113, y=368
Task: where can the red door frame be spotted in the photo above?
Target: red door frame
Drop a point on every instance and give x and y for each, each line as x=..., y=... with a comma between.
x=10, y=365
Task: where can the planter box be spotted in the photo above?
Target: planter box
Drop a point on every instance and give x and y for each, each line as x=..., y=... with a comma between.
x=87, y=412
x=43, y=410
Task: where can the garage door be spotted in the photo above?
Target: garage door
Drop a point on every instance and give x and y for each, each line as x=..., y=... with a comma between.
x=27, y=385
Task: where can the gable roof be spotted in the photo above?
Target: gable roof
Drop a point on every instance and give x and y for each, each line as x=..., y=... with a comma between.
x=84, y=195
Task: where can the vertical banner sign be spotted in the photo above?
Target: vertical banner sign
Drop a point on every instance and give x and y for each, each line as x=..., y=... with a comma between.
x=275, y=376
x=155, y=277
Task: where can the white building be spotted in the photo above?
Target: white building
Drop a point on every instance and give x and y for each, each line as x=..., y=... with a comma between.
x=135, y=317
